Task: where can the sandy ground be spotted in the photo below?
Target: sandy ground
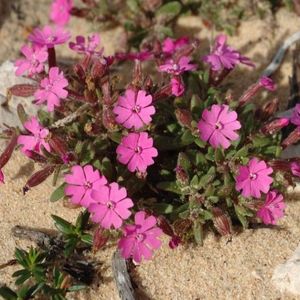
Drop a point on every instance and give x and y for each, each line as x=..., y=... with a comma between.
x=240, y=269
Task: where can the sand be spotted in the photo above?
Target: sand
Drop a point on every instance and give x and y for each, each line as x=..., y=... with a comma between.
x=221, y=269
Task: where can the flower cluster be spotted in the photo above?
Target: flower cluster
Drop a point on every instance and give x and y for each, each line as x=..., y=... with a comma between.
x=149, y=155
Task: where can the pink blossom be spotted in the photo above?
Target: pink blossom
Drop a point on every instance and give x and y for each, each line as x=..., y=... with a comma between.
x=36, y=139
x=295, y=118
x=134, y=109
x=1, y=176
x=223, y=56
x=87, y=47
x=141, y=238
x=169, y=46
x=33, y=62
x=272, y=209
x=48, y=36
x=295, y=169
x=110, y=206
x=136, y=150
x=218, y=126
x=177, y=86
x=176, y=68
x=267, y=83
x=81, y=182
x=60, y=11
x=253, y=178
x=52, y=89
x=174, y=242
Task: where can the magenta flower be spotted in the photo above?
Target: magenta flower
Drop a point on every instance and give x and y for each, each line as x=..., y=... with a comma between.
x=272, y=209
x=81, y=182
x=33, y=62
x=110, y=206
x=253, y=178
x=223, y=56
x=141, y=238
x=267, y=83
x=48, y=36
x=136, y=151
x=52, y=89
x=87, y=47
x=218, y=126
x=169, y=46
x=36, y=139
x=177, y=86
x=176, y=68
x=295, y=169
x=60, y=11
x=1, y=176
x=295, y=118
x=134, y=109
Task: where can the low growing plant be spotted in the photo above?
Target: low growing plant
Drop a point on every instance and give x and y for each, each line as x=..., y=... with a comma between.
x=161, y=148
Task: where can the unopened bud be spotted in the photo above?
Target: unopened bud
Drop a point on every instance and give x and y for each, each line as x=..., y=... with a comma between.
x=184, y=117
x=275, y=126
x=23, y=90
x=108, y=119
x=7, y=153
x=1, y=176
x=268, y=110
x=99, y=239
x=293, y=138
x=221, y=221
x=165, y=226
x=38, y=177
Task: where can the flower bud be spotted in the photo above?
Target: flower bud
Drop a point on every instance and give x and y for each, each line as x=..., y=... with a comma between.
x=38, y=177
x=36, y=156
x=165, y=226
x=23, y=90
x=59, y=147
x=174, y=242
x=99, y=239
x=267, y=83
x=275, y=125
x=184, y=117
x=108, y=119
x=7, y=153
x=268, y=110
x=279, y=165
x=221, y=221
x=293, y=138
x=177, y=86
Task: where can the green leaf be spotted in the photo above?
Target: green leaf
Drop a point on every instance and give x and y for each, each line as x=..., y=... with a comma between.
x=70, y=246
x=21, y=257
x=198, y=232
x=115, y=137
x=21, y=279
x=163, y=208
x=183, y=161
x=7, y=293
x=133, y=5
x=242, y=214
x=58, y=193
x=63, y=225
x=169, y=11
x=76, y=288
x=107, y=168
x=87, y=238
x=22, y=113
x=169, y=186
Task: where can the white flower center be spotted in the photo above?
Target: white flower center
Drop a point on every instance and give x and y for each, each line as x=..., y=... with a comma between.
x=253, y=176
x=110, y=205
x=139, y=237
x=175, y=67
x=136, y=109
x=88, y=185
x=219, y=125
x=138, y=149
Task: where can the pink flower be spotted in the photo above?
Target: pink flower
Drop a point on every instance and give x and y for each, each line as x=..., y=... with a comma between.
x=224, y=56
x=110, y=206
x=218, y=126
x=1, y=176
x=295, y=118
x=81, y=182
x=60, y=11
x=33, y=62
x=52, y=89
x=253, y=178
x=88, y=47
x=134, y=109
x=267, y=83
x=141, y=238
x=177, y=86
x=48, y=36
x=176, y=68
x=136, y=150
x=169, y=46
x=295, y=169
x=37, y=139
x=272, y=209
